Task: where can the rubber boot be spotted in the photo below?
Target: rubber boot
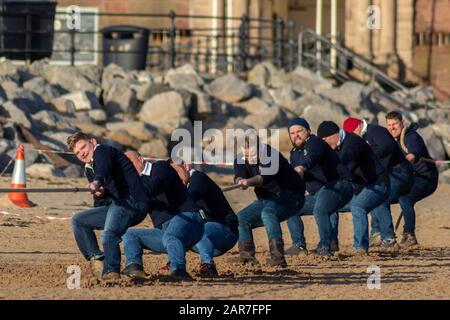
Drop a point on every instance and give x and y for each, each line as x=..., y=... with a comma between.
x=276, y=247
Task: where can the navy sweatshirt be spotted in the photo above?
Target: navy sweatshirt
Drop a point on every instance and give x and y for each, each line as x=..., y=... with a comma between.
x=208, y=195
x=322, y=164
x=416, y=146
x=361, y=160
x=283, y=179
x=117, y=174
x=104, y=200
x=384, y=146
x=167, y=192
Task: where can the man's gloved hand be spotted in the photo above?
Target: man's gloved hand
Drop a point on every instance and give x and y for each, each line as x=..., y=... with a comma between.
x=95, y=187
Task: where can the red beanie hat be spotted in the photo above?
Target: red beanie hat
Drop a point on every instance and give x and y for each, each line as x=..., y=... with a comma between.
x=350, y=124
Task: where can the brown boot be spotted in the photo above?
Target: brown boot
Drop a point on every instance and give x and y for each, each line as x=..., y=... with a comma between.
x=408, y=240
x=247, y=252
x=276, y=247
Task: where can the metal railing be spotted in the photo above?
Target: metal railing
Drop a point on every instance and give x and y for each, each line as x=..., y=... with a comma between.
x=241, y=43
x=315, y=51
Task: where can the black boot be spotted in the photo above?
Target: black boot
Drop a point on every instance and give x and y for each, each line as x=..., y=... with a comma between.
x=276, y=247
x=247, y=252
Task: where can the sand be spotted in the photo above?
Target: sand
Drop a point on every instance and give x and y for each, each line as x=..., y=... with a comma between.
x=35, y=255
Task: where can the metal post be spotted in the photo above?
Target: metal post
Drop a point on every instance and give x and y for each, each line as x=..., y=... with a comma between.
x=72, y=47
x=280, y=43
x=334, y=8
x=319, y=13
x=172, y=34
x=208, y=54
x=243, y=54
x=291, y=26
x=27, y=34
x=274, y=38
x=197, y=56
x=300, y=48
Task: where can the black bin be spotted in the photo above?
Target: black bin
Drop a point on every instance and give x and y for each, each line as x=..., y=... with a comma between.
x=17, y=17
x=125, y=46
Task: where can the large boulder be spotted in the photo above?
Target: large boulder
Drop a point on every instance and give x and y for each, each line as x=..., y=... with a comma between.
x=433, y=143
x=261, y=115
x=167, y=126
x=443, y=130
x=285, y=97
x=120, y=98
x=13, y=112
x=46, y=90
x=10, y=88
x=98, y=116
x=76, y=101
x=42, y=171
x=259, y=75
x=230, y=88
x=70, y=78
x=111, y=74
x=322, y=110
x=155, y=148
x=124, y=138
x=184, y=77
x=445, y=176
x=163, y=106
x=140, y=130
x=350, y=95
x=48, y=120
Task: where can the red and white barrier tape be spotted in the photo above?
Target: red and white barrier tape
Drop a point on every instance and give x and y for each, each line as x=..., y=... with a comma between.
x=44, y=217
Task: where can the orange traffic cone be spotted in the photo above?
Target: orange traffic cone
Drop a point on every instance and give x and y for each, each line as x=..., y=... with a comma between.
x=19, y=181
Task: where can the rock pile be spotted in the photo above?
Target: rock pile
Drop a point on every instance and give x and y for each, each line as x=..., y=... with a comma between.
x=140, y=109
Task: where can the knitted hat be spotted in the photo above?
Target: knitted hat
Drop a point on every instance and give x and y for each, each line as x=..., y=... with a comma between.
x=327, y=128
x=299, y=122
x=350, y=124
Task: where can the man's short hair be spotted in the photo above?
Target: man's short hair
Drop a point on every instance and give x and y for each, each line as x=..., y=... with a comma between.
x=73, y=139
x=394, y=115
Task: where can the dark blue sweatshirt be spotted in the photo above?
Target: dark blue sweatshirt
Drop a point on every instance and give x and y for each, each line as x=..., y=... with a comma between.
x=208, y=195
x=117, y=174
x=167, y=192
x=361, y=160
x=416, y=146
x=384, y=146
x=322, y=164
x=284, y=178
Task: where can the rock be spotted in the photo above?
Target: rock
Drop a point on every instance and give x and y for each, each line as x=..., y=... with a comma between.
x=120, y=98
x=98, y=116
x=89, y=128
x=201, y=106
x=229, y=88
x=184, y=77
x=71, y=171
x=308, y=74
x=433, y=143
x=13, y=112
x=59, y=138
x=350, y=95
x=322, y=110
x=41, y=87
x=140, y=130
x=259, y=75
x=7, y=68
x=111, y=74
x=163, y=106
x=443, y=130
x=74, y=102
x=5, y=145
x=153, y=89
x=41, y=171
x=167, y=126
x=10, y=88
x=285, y=97
x=304, y=101
x=423, y=95
x=155, y=148
x=70, y=78
x=261, y=115
x=124, y=138
x=48, y=120
x=141, y=90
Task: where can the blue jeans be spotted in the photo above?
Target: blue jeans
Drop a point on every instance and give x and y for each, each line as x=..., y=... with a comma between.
x=322, y=205
x=268, y=213
x=217, y=239
x=370, y=197
x=114, y=220
x=174, y=236
x=400, y=180
x=421, y=188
